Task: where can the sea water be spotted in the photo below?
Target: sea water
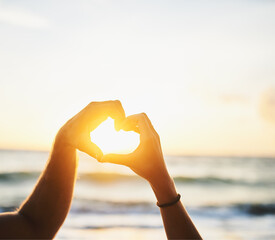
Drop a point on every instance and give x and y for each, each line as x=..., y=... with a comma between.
x=226, y=197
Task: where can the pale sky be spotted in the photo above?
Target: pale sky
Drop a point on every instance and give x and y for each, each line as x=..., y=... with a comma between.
x=203, y=71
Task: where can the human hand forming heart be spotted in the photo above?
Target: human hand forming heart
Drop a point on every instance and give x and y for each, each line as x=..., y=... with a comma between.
x=76, y=132
x=146, y=160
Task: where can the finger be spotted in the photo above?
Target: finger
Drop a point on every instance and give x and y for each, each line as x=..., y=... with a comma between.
x=98, y=112
x=134, y=129
x=138, y=121
x=150, y=124
x=92, y=149
x=114, y=110
x=121, y=159
x=121, y=118
x=127, y=125
x=148, y=121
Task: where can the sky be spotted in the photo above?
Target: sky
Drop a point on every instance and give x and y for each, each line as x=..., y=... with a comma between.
x=203, y=71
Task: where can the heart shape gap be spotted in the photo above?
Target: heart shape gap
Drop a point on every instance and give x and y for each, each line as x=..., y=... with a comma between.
x=110, y=141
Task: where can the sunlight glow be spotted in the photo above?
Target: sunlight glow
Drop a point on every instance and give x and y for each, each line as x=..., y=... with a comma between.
x=111, y=141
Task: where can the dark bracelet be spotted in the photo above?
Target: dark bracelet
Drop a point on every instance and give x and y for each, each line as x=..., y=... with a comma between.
x=170, y=203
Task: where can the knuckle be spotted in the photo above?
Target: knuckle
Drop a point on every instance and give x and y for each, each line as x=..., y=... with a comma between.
x=158, y=137
x=144, y=115
x=93, y=103
x=117, y=101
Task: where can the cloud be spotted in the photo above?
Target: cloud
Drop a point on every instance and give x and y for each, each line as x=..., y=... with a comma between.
x=21, y=17
x=267, y=105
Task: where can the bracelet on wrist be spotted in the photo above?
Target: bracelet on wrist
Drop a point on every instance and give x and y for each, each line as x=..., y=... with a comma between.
x=170, y=203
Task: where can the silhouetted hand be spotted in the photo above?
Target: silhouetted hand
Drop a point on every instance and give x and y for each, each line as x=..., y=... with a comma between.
x=76, y=132
x=45, y=209
x=147, y=160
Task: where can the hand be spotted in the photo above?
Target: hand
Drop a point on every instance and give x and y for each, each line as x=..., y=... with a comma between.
x=76, y=132
x=147, y=160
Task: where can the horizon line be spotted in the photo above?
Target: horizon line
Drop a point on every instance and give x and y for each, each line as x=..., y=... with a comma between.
x=168, y=155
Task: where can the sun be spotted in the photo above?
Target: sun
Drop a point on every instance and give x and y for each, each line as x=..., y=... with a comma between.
x=111, y=141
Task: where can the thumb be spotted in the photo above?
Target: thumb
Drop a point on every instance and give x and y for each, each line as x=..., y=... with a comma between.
x=128, y=125
x=93, y=150
x=122, y=159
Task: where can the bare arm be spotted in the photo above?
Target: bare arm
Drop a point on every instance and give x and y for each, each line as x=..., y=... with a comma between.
x=177, y=223
x=45, y=210
x=148, y=162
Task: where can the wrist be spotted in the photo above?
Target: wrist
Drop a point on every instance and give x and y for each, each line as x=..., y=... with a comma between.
x=61, y=144
x=62, y=137
x=164, y=189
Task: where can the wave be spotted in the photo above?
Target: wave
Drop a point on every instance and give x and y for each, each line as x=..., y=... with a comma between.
x=98, y=207
x=219, y=211
x=220, y=180
x=94, y=176
x=257, y=209
x=10, y=208
x=235, y=210
x=116, y=177
x=139, y=226
x=18, y=176
x=113, y=207
x=106, y=177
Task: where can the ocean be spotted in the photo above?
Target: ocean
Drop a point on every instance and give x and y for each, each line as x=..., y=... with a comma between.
x=226, y=197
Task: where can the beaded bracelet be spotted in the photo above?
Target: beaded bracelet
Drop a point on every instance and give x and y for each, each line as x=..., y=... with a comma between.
x=170, y=203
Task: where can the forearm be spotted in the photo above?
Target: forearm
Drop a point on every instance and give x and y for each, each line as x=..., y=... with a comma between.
x=177, y=223
x=48, y=205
